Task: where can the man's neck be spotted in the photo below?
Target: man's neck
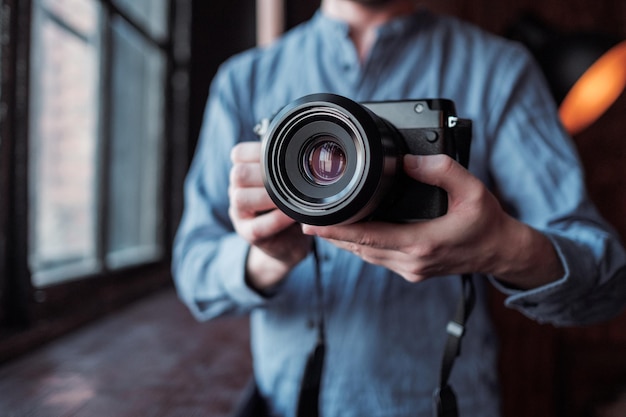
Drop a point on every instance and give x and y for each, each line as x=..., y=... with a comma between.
x=363, y=20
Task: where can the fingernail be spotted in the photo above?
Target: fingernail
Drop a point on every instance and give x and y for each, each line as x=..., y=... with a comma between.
x=412, y=161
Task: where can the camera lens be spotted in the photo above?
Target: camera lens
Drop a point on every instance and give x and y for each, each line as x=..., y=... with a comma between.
x=329, y=160
x=325, y=160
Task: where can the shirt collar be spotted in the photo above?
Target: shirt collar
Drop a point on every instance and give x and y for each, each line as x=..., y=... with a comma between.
x=396, y=27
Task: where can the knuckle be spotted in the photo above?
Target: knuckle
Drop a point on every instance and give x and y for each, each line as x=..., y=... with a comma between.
x=255, y=233
x=366, y=239
x=444, y=164
x=235, y=153
x=238, y=198
x=252, y=230
x=426, y=262
x=416, y=271
x=424, y=251
x=352, y=247
x=245, y=151
x=421, y=271
x=238, y=174
x=413, y=277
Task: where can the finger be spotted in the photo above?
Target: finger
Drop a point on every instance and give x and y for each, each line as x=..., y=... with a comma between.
x=370, y=254
x=403, y=264
x=372, y=234
x=246, y=174
x=248, y=202
x=264, y=226
x=441, y=171
x=246, y=152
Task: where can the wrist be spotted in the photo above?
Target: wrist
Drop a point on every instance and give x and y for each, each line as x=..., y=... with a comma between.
x=264, y=272
x=526, y=259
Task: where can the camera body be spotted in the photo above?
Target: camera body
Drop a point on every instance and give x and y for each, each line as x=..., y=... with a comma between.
x=329, y=160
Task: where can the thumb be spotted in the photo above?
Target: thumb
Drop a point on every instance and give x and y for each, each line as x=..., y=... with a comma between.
x=439, y=170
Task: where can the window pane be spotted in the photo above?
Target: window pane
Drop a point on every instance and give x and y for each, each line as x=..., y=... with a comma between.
x=80, y=15
x=151, y=14
x=135, y=213
x=63, y=141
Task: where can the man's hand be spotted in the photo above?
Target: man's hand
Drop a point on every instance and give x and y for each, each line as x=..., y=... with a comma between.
x=277, y=243
x=475, y=235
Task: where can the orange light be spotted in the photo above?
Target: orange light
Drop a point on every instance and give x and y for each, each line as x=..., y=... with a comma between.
x=595, y=91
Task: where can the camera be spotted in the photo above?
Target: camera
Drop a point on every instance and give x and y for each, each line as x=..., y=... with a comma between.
x=327, y=159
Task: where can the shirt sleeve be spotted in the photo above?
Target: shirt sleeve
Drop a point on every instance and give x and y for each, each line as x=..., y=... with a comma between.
x=539, y=177
x=209, y=257
x=581, y=296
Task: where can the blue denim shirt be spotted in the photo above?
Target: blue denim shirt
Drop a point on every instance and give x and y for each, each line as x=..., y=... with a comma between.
x=385, y=336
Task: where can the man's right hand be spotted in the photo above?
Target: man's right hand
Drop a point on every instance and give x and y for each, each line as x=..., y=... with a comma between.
x=277, y=242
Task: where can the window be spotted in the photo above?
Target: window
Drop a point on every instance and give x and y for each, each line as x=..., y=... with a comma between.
x=93, y=152
x=63, y=139
x=136, y=170
x=96, y=136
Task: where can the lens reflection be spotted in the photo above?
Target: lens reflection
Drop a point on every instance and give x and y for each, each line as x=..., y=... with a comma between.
x=326, y=161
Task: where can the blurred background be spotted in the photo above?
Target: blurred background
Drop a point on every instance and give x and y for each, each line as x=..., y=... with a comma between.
x=101, y=103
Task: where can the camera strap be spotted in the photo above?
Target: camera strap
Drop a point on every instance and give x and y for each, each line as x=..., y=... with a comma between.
x=444, y=399
x=308, y=398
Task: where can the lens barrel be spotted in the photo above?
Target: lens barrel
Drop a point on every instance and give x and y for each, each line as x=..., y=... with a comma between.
x=329, y=160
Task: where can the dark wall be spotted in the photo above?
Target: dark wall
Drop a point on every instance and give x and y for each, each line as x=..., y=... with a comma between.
x=496, y=15
x=219, y=29
x=297, y=11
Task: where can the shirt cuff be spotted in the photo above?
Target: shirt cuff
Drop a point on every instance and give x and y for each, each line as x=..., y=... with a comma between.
x=550, y=302
x=234, y=280
x=232, y=272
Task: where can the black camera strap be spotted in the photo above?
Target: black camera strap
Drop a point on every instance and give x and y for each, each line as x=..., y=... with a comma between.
x=308, y=399
x=445, y=404
x=444, y=398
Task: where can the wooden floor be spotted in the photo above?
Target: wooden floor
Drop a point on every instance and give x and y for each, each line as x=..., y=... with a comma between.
x=151, y=359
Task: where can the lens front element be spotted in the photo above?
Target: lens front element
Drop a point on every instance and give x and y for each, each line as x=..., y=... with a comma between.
x=324, y=160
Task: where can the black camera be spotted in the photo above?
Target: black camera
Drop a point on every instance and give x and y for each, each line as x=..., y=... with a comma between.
x=329, y=160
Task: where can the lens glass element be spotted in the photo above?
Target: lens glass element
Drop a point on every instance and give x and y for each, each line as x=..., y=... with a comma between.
x=325, y=160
